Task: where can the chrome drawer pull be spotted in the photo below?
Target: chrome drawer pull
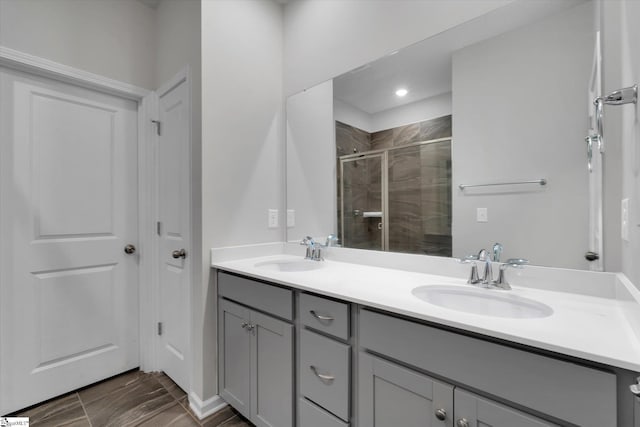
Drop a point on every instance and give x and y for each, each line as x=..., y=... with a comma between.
x=320, y=317
x=322, y=377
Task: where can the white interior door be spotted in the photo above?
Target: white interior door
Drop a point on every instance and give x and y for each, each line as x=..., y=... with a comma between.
x=69, y=295
x=174, y=229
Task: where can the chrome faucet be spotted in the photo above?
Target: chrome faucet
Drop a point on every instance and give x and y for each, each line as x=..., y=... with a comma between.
x=502, y=282
x=311, y=247
x=486, y=280
x=314, y=249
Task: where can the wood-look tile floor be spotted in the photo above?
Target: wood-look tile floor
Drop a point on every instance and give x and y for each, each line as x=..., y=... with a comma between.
x=131, y=399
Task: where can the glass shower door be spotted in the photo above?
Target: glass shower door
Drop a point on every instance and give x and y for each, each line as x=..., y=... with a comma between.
x=361, y=218
x=419, y=199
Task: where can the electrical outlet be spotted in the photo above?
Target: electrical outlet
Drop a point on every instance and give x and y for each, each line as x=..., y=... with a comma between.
x=273, y=218
x=482, y=215
x=624, y=220
x=291, y=218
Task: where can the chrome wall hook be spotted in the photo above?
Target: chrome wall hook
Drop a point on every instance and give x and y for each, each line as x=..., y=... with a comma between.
x=627, y=95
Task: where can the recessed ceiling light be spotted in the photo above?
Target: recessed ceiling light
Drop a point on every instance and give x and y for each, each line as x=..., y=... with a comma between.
x=402, y=92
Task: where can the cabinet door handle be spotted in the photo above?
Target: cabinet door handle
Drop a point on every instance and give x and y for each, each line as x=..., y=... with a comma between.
x=441, y=414
x=462, y=422
x=320, y=317
x=322, y=377
x=244, y=325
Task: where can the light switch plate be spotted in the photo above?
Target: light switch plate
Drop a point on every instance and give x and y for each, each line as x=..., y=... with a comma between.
x=482, y=215
x=624, y=220
x=291, y=218
x=273, y=218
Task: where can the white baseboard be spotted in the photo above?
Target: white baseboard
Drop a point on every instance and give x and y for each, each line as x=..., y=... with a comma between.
x=206, y=408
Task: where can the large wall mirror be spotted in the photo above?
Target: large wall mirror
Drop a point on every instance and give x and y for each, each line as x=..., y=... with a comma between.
x=395, y=155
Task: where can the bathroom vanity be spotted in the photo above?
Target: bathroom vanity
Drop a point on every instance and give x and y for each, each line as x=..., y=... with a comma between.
x=330, y=343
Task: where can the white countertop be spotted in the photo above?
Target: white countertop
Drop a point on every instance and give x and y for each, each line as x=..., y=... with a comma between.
x=601, y=329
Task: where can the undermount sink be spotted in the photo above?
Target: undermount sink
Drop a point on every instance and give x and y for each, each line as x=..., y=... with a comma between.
x=486, y=302
x=290, y=265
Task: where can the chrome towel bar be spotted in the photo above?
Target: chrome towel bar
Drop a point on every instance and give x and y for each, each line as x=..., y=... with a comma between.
x=541, y=181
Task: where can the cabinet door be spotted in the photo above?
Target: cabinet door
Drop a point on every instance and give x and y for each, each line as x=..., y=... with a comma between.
x=478, y=411
x=272, y=366
x=235, y=356
x=391, y=395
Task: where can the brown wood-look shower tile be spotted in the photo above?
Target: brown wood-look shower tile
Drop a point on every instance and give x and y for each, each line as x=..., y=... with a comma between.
x=67, y=407
x=407, y=134
x=174, y=416
x=131, y=403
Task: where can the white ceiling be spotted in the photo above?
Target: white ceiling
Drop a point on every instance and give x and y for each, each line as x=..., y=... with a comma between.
x=424, y=68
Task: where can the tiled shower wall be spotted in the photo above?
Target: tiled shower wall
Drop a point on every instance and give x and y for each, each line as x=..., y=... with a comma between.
x=419, y=187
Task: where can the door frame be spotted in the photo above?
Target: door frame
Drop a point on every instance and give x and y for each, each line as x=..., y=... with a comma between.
x=20, y=61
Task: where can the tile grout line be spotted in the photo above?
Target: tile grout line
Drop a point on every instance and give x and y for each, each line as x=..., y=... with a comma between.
x=84, y=409
x=193, y=417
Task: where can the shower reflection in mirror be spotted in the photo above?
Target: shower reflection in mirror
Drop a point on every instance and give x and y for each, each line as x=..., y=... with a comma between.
x=394, y=187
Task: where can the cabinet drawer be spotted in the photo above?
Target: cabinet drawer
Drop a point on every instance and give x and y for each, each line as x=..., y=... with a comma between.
x=325, y=315
x=325, y=372
x=312, y=416
x=270, y=299
x=567, y=391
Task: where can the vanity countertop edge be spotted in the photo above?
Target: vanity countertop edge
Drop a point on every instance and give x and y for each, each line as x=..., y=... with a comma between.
x=597, y=329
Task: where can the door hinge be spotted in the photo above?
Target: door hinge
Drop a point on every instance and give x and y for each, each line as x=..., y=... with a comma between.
x=157, y=123
x=159, y=328
x=159, y=228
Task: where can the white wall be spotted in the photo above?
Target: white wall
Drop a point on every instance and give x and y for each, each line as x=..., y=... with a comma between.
x=325, y=38
x=242, y=137
x=621, y=67
x=538, y=133
x=178, y=25
x=425, y=109
x=344, y=113
x=311, y=162
x=115, y=39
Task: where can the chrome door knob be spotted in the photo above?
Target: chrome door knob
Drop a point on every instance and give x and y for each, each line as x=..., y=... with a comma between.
x=129, y=249
x=441, y=414
x=462, y=422
x=179, y=254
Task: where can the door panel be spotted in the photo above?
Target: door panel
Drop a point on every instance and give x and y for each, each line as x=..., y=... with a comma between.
x=391, y=395
x=482, y=412
x=73, y=297
x=362, y=204
x=273, y=363
x=174, y=231
x=235, y=372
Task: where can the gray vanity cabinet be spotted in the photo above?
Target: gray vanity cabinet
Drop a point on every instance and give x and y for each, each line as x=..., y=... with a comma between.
x=235, y=357
x=256, y=353
x=478, y=411
x=391, y=395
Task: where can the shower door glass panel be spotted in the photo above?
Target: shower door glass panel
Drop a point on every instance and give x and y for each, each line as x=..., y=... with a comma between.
x=360, y=216
x=419, y=192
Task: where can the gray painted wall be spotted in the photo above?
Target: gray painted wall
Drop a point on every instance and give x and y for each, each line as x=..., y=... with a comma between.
x=621, y=67
x=538, y=133
x=325, y=38
x=116, y=39
x=242, y=143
